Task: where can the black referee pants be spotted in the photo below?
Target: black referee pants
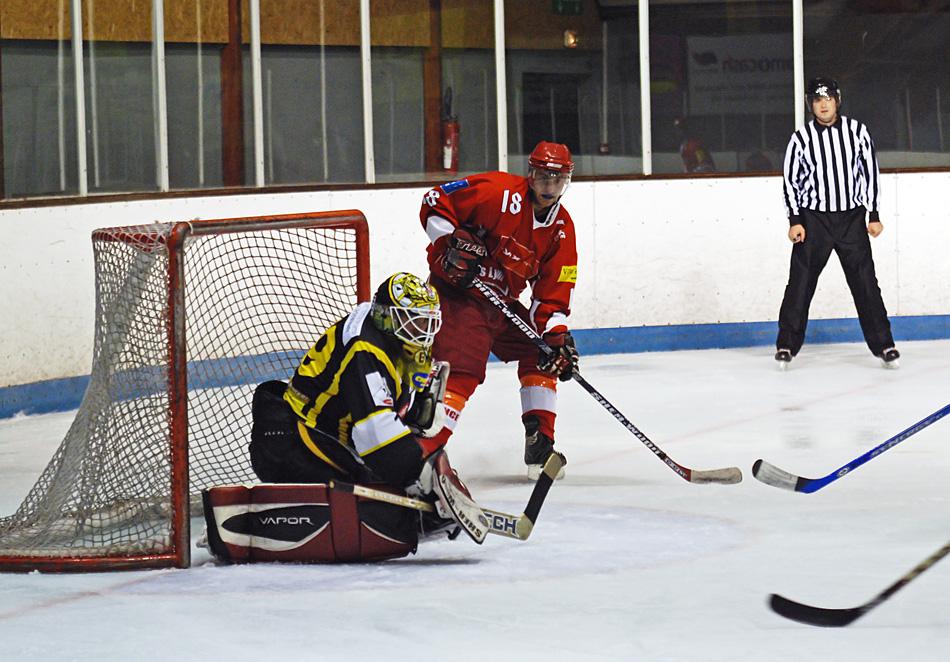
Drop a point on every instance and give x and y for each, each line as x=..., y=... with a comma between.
x=846, y=233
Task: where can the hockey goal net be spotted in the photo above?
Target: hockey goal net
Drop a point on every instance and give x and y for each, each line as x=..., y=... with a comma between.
x=189, y=318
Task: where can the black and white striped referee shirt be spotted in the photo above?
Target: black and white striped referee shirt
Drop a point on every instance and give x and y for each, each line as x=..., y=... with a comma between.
x=831, y=168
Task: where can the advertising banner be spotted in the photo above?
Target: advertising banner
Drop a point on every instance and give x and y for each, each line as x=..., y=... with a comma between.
x=740, y=74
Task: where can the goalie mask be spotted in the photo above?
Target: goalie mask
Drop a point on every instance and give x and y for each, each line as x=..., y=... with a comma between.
x=408, y=308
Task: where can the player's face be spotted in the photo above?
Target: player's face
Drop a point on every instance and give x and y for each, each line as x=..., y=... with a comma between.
x=547, y=185
x=417, y=326
x=825, y=110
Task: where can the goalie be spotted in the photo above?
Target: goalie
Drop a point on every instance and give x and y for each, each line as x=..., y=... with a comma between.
x=355, y=410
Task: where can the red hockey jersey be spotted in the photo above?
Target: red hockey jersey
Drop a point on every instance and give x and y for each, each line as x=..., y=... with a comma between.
x=522, y=250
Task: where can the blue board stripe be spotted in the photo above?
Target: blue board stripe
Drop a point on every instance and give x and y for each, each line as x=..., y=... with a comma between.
x=65, y=394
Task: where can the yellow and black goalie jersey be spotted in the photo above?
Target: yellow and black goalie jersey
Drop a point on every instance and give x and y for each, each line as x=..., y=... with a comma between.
x=350, y=385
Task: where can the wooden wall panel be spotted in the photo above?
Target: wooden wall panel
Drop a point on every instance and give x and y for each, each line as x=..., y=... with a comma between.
x=182, y=16
x=34, y=19
x=468, y=24
x=117, y=21
x=297, y=22
x=529, y=24
x=400, y=23
x=532, y=25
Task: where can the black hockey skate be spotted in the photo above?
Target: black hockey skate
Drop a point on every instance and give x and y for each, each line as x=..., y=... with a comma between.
x=432, y=524
x=537, y=447
x=783, y=357
x=890, y=357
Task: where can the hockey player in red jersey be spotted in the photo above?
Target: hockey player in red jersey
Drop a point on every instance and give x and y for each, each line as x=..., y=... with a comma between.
x=508, y=231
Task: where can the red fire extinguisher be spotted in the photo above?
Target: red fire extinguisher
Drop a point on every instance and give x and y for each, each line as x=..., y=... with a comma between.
x=450, y=135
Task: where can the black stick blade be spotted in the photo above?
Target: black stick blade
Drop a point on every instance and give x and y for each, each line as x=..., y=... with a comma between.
x=829, y=618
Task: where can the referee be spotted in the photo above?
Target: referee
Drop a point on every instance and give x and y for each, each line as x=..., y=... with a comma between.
x=831, y=182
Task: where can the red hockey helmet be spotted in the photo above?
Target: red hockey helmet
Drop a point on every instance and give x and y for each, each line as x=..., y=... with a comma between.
x=552, y=156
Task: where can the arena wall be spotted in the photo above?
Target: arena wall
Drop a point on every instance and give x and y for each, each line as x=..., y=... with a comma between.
x=701, y=260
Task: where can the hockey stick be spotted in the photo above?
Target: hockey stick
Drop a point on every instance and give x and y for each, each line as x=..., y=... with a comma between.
x=727, y=475
x=836, y=618
x=499, y=523
x=772, y=475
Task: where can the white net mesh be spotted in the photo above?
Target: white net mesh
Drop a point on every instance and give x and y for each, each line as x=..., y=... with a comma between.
x=254, y=301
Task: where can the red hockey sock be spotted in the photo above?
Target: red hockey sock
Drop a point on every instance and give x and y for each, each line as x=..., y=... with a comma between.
x=546, y=420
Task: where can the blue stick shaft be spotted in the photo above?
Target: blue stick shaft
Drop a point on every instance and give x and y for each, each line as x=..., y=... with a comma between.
x=815, y=484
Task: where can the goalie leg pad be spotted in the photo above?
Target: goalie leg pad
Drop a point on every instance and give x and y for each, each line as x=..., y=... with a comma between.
x=304, y=524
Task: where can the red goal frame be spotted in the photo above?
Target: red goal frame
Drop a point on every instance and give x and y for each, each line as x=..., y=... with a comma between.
x=179, y=551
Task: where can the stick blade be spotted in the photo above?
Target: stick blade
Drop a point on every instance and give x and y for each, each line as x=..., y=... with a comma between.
x=829, y=618
x=523, y=528
x=549, y=472
x=727, y=476
x=771, y=475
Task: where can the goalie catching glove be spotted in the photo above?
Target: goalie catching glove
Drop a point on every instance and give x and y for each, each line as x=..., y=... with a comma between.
x=562, y=361
x=461, y=257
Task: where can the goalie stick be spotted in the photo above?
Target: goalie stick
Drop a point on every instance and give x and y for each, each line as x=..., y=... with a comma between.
x=771, y=475
x=835, y=618
x=499, y=523
x=728, y=475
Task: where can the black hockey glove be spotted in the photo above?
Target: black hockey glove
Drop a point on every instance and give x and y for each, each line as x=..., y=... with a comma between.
x=562, y=362
x=461, y=258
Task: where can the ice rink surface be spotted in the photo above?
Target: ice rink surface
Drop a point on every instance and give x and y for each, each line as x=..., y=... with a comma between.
x=627, y=561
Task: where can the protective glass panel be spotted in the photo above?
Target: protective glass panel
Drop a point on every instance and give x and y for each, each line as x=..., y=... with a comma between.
x=196, y=33
x=573, y=78
x=434, y=107
x=121, y=135
x=37, y=99
x=469, y=118
x=312, y=91
x=890, y=59
x=721, y=76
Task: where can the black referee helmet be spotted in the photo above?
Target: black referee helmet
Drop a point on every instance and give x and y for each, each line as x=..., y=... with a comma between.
x=822, y=86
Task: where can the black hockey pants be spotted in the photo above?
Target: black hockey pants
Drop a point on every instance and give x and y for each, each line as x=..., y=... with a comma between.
x=278, y=454
x=845, y=233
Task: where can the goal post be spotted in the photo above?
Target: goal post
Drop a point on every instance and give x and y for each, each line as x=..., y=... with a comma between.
x=190, y=317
